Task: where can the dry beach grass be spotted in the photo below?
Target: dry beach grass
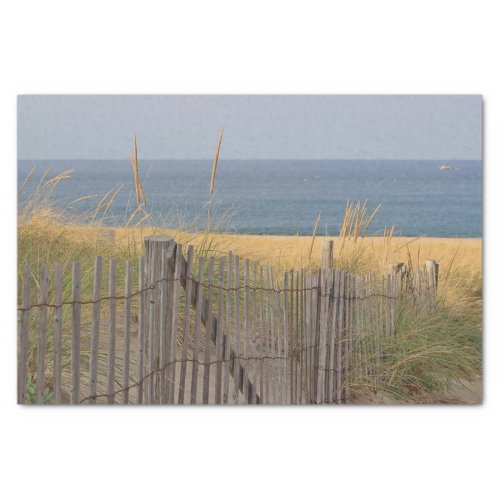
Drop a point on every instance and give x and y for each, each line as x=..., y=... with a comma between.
x=436, y=358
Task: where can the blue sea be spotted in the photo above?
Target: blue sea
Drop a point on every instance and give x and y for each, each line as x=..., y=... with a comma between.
x=282, y=196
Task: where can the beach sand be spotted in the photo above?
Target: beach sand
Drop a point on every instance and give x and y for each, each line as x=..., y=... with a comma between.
x=292, y=252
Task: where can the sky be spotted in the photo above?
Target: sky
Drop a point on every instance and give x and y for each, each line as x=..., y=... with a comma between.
x=255, y=127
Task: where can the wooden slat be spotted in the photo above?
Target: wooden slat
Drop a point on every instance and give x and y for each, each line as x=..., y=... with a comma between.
x=276, y=336
x=208, y=332
x=174, y=259
x=58, y=297
x=347, y=340
x=340, y=336
x=365, y=342
x=246, y=327
x=306, y=320
x=254, y=333
x=226, y=349
x=292, y=342
x=321, y=341
x=380, y=324
x=317, y=296
x=360, y=363
x=162, y=326
x=126, y=327
x=237, y=333
x=185, y=336
x=376, y=326
x=326, y=375
x=370, y=316
x=140, y=330
x=397, y=289
x=267, y=342
x=315, y=334
x=262, y=336
x=344, y=339
x=333, y=337
x=168, y=368
x=322, y=345
x=297, y=338
x=197, y=330
x=333, y=333
x=75, y=333
x=148, y=329
x=42, y=335
x=159, y=328
x=286, y=385
x=302, y=338
x=111, y=331
x=227, y=337
x=96, y=318
x=220, y=334
x=152, y=274
x=307, y=337
x=279, y=341
x=368, y=340
x=24, y=337
x=272, y=370
x=172, y=358
x=227, y=367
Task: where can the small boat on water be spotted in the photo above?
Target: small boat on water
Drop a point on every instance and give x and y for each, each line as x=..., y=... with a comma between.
x=445, y=167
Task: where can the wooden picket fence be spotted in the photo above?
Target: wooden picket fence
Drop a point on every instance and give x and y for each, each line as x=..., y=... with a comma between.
x=180, y=330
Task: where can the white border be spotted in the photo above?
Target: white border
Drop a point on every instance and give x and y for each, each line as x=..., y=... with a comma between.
x=254, y=47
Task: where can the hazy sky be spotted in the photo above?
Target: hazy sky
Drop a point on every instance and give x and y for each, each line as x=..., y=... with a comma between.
x=256, y=127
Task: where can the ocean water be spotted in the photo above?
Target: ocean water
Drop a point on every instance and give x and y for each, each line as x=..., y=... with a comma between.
x=283, y=196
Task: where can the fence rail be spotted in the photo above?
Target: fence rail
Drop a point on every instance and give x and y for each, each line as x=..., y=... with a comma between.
x=172, y=329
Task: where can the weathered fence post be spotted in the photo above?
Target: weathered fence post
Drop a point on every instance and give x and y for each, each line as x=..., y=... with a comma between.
x=156, y=248
x=432, y=269
x=326, y=258
x=396, y=267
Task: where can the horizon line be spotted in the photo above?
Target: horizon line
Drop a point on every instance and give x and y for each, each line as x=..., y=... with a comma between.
x=253, y=159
